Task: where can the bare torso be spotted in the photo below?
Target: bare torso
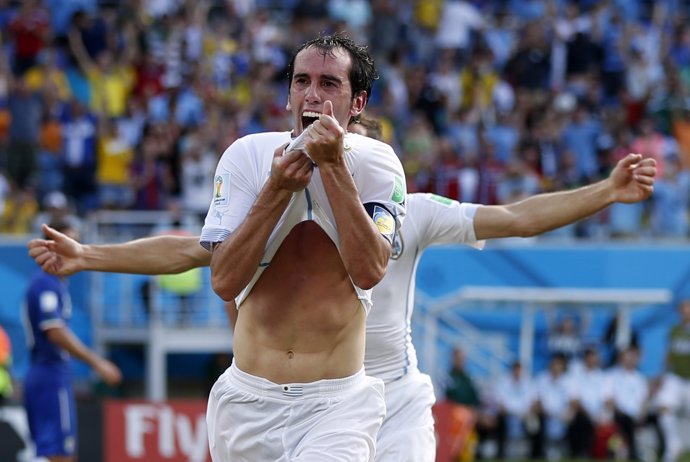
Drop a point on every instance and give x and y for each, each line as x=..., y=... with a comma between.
x=302, y=320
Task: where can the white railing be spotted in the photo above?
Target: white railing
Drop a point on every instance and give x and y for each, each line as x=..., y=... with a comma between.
x=490, y=351
x=120, y=315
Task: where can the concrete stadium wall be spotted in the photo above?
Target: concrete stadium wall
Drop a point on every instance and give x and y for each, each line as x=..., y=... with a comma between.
x=442, y=271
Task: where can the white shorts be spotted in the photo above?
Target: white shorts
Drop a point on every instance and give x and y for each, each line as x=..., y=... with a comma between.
x=251, y=419
x=674, y=393
x=407, y=433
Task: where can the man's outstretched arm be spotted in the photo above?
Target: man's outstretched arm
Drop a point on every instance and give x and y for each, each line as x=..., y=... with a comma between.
x=65, y=339
x=632, y=180
x=62, y=256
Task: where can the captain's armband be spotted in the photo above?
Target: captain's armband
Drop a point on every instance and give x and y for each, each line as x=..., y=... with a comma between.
x=383, y=219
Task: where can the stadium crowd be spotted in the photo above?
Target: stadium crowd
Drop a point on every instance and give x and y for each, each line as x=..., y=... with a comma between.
x=128, y=104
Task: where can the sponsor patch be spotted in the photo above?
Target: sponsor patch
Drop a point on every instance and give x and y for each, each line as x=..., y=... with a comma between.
x=384, y=222
x=398, y=194
x=49, y=302
x=441, y=199
x=221, y=189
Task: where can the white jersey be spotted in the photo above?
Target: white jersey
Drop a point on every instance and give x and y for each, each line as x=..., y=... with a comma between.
x=589, y=387
x=246, y=165
x=553, y=394
x=429, y=220
x=515, y=396
x=628, y=389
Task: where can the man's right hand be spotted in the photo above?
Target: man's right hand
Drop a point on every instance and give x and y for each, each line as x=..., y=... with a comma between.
x=108, y=371
x=59, y=255
x=291, y=171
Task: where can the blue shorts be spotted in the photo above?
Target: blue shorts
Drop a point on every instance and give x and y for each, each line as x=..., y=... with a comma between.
x=51, y=411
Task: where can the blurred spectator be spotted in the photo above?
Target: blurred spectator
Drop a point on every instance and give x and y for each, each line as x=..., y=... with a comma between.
x=566, y=338
x=587, y=399
x=198, y=166
x=551, y=405
x=671, y=200
x=5, y=189
x=110, y=73
x=47, y=75
x=25, y=121
x=5, y=363
x=627, y=393
x=673, y=398
x=444, y=77
x=179, y=102
x=151, y=175
x=613, y=58
x=501, y=36
x=49, y=172
x=580, y=136
x=80, y=141
x=460, y=388
x=478, y=79
x=19, y=212
x=114, y=166
x=518, y=182
x=652, y=143
x=184, y=287
x=356, y=14
x=56, y=207
x=618, y=337
x=529, y=68
x=462, y=393
x=504, y=135
x=458, y=20
x=30, y=31
x=514, y=395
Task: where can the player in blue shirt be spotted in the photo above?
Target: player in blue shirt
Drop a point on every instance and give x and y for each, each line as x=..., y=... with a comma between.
x=48, y=395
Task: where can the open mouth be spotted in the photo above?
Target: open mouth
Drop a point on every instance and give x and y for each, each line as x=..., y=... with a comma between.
x=308, y=118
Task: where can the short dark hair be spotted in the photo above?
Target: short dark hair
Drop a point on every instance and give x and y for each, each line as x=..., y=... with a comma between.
x=362, y=72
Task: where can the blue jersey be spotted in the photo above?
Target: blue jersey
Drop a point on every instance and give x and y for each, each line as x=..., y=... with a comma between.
x=48, y=394
x=47, y=305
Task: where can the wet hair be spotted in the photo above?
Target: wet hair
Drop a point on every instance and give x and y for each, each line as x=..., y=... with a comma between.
x=362, y=71
x=371, y=126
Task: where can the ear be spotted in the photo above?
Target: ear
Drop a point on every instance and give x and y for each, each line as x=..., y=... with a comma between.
x=358, y=104
x=288, y=106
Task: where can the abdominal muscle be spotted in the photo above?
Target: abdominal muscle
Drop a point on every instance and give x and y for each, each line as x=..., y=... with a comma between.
x=302, y=321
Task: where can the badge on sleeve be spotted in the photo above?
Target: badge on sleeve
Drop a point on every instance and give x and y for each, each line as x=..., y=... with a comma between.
x=384, y=222
x=398, y=194
x=221, y=189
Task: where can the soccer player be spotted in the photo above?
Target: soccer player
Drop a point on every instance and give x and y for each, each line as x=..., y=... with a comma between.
x=674, y=395
x=407, y=432
x=48, y=395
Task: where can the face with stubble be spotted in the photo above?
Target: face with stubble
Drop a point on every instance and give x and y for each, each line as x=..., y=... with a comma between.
x=319, y=76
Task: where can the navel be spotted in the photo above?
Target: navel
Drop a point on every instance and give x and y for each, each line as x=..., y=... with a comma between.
x=290, y=354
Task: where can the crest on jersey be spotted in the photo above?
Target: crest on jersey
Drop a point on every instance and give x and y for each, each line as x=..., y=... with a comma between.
x=221, y=189
x=398, y=246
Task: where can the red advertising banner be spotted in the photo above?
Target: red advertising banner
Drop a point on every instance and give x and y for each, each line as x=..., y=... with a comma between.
x=175, y=431
x=454, y=428
x=172, y=431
